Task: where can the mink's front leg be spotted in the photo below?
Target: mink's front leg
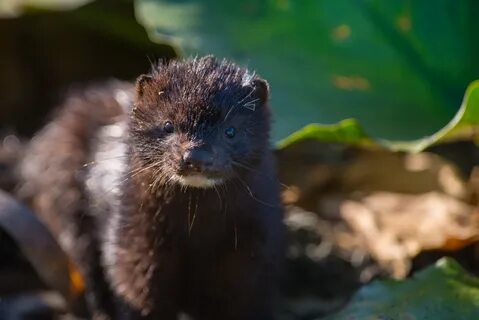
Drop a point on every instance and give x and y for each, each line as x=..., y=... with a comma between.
x=240, y=285
x=142, y=266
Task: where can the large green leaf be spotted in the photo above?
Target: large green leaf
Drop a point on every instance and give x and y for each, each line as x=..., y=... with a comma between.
x=464, y=126
x=442, y=292
x=399, y=67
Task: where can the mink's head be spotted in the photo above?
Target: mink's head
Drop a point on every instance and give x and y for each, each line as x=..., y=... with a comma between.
x=200, y=122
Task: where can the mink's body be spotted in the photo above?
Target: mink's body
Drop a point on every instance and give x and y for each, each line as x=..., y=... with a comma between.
x=165, y=195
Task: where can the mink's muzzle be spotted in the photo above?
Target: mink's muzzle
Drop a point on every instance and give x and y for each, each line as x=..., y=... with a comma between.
x=198, y=159
x=203, y=165
x=199, y=166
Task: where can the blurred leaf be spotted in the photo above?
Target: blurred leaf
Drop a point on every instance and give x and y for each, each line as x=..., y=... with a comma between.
x=444, y=291
x=38, y=245
x=16, y=7
x=347, y=131
x=464, y=126
x=380, y=205
x=376, y=61
x=394, y=228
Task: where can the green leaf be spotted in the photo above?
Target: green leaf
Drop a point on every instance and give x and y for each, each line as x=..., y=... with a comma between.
x=394, y=66
x=348, y=131
x=464, y=126
x=444, y=291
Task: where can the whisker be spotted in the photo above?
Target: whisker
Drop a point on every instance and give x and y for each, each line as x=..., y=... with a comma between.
x=133, y=174
x=247, y=96
x=253, y=196
x=242, y=165
x=236, y=236
x=189, y=214
x=229, y=112
x=219, y=196
x=90, y=163
x=194, y=215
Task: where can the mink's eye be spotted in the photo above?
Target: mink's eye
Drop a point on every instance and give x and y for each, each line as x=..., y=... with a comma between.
x=169, y=127
x=230, y=132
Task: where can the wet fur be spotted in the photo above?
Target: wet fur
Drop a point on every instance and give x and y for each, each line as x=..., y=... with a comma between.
x=102, y=175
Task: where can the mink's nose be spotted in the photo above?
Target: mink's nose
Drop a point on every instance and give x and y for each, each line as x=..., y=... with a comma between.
x=197, y=159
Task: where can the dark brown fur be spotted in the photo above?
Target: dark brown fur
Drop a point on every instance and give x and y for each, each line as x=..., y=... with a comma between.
x=160, y=246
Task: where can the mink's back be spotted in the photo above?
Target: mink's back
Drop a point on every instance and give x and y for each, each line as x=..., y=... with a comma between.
x=57, y=160
x=55, y=169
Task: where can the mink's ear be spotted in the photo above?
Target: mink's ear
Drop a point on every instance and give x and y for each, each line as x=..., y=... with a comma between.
x=261, y=89
x=141, y=83
x=257, y=95
x=210, y=60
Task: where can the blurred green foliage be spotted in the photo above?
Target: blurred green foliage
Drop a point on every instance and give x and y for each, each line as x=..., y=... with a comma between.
x=399, y=67
x=442, y=292
x=392, y=65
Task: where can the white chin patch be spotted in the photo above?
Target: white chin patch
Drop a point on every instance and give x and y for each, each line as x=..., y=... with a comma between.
x=198, y=181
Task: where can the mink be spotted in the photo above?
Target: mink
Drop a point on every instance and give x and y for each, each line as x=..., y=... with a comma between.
x=164, y=193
